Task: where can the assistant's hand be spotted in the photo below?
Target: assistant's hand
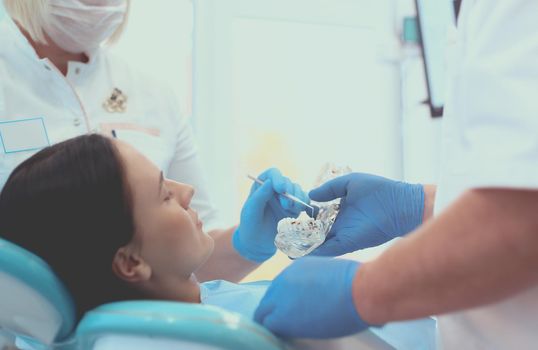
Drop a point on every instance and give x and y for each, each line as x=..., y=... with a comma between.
x=312, y=298
x=373, y=210
x=264, y=208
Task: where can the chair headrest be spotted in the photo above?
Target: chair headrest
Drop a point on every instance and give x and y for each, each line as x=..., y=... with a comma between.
x=200, y=324
x=33, y=301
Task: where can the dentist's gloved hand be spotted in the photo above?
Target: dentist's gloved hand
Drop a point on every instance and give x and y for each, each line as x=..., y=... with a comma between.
x=373, y=210
x=264, y=208
x=312, y=298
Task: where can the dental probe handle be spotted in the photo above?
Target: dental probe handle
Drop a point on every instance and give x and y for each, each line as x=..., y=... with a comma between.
x=285, y=194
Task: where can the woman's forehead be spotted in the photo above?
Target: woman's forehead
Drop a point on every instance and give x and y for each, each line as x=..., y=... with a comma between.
x=137, y=166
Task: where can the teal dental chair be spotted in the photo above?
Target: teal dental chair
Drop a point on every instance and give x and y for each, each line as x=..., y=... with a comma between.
x=33, y=302
x=37, y=312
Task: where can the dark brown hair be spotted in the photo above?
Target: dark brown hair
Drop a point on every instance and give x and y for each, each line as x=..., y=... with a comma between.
x=70, y=205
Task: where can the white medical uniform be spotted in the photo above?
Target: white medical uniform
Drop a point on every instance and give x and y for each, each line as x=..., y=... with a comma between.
x=72, y=105
x=491, y=140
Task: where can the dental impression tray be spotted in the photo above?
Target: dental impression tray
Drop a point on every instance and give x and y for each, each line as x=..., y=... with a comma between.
x=299, y=237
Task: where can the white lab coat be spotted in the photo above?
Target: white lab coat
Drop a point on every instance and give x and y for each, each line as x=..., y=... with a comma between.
x=31, y=87
x=491, y=140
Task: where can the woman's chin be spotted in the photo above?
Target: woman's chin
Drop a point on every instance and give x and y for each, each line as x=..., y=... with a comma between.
x=210, y=245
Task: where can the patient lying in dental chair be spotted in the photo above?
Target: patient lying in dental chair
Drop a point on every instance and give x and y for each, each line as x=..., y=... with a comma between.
x=112, y=228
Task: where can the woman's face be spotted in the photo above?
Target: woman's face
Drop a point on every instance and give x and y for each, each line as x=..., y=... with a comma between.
x=168, y=233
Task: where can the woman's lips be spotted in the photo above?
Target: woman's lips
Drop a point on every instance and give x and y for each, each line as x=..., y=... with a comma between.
x=199, y=223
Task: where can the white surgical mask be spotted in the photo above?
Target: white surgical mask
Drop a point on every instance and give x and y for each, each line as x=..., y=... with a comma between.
x=83, y=25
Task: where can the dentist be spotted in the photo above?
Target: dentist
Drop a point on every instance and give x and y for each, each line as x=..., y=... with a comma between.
x=58, y=81
x=470, y=247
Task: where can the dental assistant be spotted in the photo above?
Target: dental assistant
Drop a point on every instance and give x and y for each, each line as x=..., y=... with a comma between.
x=470, y=247
x=58, y=81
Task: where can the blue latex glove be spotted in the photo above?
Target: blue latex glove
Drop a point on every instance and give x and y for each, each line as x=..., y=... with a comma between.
x=312, y=298
x=263, y=209
x=373, y=210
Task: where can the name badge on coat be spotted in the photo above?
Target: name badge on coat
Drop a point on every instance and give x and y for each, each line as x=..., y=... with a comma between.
x=23, y=135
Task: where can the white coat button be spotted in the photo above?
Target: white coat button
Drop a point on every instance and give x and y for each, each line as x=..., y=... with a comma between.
x=77, y=70
x=76, y=122
x=46, y=67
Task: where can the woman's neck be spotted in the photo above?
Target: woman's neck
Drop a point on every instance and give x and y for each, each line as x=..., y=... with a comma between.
x=185, y=290
x=58, y=56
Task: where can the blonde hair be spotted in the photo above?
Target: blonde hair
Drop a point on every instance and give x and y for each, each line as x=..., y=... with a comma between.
x=31, y=16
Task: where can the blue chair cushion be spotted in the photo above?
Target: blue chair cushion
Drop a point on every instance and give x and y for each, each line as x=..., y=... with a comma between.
x=197, y=323
x=36, y=274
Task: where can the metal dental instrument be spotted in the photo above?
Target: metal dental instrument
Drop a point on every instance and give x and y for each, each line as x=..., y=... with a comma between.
x=285, y=194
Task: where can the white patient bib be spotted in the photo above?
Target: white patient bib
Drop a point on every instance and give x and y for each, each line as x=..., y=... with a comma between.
x=241, y=298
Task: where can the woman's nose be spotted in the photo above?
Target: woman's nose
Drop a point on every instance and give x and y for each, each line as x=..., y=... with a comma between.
x=185, y=192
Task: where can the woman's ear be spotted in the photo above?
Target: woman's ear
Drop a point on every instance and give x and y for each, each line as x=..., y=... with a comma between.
x=130, y=267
